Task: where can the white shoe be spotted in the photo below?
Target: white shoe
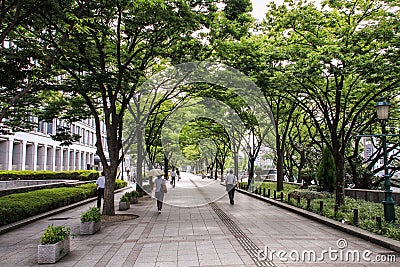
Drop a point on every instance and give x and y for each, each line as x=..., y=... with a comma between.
x=159, y=211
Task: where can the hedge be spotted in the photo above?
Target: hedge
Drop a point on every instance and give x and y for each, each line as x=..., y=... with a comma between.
x=16, y=207
x=81, y=175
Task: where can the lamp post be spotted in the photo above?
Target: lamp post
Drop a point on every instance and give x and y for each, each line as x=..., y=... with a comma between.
x=382, y=110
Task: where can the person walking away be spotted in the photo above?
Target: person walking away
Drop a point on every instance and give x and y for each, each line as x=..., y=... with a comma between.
x=161, y=189
x=231, y=183
x=173, y=176
x=101, y=181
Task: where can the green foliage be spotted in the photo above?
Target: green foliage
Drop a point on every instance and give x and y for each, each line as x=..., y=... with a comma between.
x=326, y=174
x=54, y=234
x=124, y=198
x=91, y=215
x=133, y=193
x=81, y=175
x=308, y=194
x=368, y=211
x=20, y=206
x=120, y=184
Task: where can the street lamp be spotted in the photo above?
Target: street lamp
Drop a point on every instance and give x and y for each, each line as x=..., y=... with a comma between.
x=382, y=110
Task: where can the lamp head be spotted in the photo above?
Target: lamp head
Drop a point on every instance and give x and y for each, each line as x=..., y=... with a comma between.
x=382, y=109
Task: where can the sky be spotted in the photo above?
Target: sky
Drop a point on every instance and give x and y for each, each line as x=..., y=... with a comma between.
x=259, y=7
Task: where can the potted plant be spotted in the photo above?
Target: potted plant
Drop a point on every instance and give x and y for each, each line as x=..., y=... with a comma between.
x=134, y=196
x=124, y=203
x=90, y=221
x=54, y=244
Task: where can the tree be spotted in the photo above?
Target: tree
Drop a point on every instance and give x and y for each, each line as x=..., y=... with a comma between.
x=337, y=68
x=24, y=61
x=107, y=59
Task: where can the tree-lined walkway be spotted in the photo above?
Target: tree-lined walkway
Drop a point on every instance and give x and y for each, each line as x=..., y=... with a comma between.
x=199, y=234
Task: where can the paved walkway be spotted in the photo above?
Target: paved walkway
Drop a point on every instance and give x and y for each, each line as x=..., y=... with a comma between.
x=198, y=227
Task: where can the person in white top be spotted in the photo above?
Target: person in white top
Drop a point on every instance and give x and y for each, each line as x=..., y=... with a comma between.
x=231, y=183
x=159, y=192
x=101, y=182
x=173, y=177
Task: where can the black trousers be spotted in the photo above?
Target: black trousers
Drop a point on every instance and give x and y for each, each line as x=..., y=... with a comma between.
x=100, y=194
x=231, y=193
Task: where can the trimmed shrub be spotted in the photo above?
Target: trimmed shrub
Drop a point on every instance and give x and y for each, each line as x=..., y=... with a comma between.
x=120, y=184
x=309, y=194
x=16, y=207
x=82, y=175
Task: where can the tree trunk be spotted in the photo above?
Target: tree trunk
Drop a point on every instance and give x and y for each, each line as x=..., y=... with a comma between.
x=108, y=205
x=166, y=161
x=236, y=164
x=251, y=172
x=279, y=168
x=340, y=179
x=139, y=161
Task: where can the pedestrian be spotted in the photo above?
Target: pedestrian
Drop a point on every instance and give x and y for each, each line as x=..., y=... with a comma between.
x=101, y=181
x=178, y=174
x=173, y=176
x=231, y=183
x=161, y=189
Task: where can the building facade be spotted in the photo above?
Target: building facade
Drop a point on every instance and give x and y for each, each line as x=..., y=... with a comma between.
x=36, y=150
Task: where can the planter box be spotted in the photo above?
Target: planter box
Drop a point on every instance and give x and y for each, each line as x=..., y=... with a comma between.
x=89, y=228
x=134, y=200
x=124, y=205
x=51, y=253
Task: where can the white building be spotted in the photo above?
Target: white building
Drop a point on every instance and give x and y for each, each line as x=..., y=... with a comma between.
x=37, y=151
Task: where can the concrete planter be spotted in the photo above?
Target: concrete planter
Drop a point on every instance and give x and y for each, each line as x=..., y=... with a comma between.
x=89, y=228
x=124, y=205
x=134, y=200
x=51, y=253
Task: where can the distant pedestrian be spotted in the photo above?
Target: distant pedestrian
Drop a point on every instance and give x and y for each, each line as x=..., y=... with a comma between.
x=231, y=183
x=101, y=182
x=173, y=177
x=161, y=189
x=178, y=174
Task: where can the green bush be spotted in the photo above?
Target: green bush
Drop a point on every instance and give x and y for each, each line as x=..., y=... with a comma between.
x=91, y=215
x=20, y=206
x=124, y=198
x=135, y=193
x=82, y=175
x=308, y=194
x=54, y=234
x=120, y=184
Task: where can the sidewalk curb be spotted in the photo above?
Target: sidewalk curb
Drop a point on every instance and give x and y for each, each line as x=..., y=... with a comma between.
x=12, y=226
x=358, y=232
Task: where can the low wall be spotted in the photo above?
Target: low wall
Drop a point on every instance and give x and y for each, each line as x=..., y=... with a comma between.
x=376, y=196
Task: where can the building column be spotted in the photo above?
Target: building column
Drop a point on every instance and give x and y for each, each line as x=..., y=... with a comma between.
x=10, y=154
x=17, y=148
x=23, y=155
x=5, y=154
